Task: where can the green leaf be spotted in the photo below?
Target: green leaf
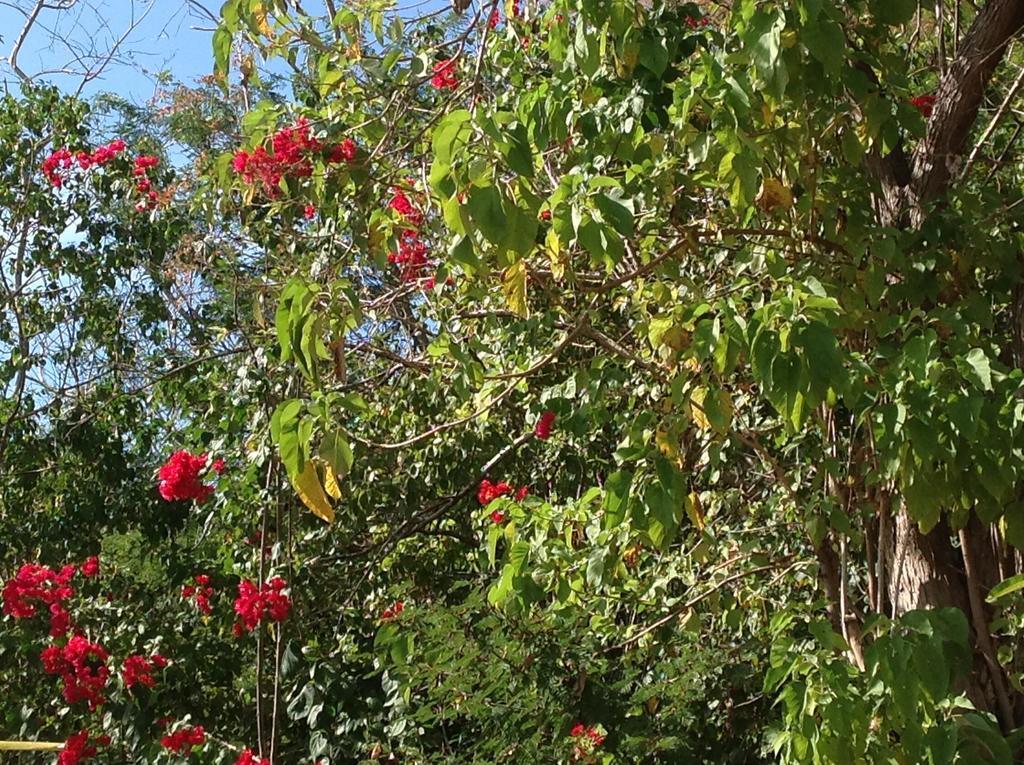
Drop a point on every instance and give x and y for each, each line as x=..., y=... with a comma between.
x=616, y=498
x=978, y=363
x=595, y=567
x=1006, y=587
x=484, y=206
x=222, y=51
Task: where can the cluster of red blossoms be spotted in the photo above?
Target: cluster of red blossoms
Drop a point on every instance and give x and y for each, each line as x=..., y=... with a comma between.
x=201, y=591
x=79, y=746
x=542, y=429
x=254, y=603
x=411, y=258
x=179, y=477
x=291, y=154
x=588, y=738
x=62, y=159
x=697, y=23
x=138, y=670
x=143, y=184
x=495, y=18
x=445, y=77
x=248, y=757
x=393, y=611
x=488, y=492
x=924, y=104
x=35, y=585
x=182, y=740
x=83, y=668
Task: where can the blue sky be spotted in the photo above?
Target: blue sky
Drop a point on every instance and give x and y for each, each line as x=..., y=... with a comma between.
x=172, y=36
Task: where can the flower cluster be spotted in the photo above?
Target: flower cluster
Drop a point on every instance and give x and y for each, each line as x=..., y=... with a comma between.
x=254, y=603
x=411, y=257
x=445, y=77
x=248, y=757
x=697, y=22
x=393, y=611
x=79, y=746
x=587, y=739
x=495, y=17
x=542, y=429
x=488, y=492
x=61, y=160
x=138, y=670
x=143, y=184
x=90, y=567
x=924, y=104
x=201, y=591
x=35, y=585
x=182, y=740
x=401, y=204
x=342, y=152
x=180, y=477
x=291, y=154
x=83, y=668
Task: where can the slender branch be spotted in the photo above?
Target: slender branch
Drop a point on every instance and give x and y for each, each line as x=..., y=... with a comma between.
x=996, y=119
x=982, y=633
x=678, y=610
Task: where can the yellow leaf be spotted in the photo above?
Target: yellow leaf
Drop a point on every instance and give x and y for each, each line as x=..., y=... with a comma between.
x=307, y=485
x=513, y=284
x=697, y=411
x=555, y=254
x=694, y=510
x=774, y=194
x=331, y=482
x=665, y=445
x=259, y=14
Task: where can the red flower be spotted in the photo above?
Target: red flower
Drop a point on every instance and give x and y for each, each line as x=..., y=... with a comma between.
x=697, y=23
x=35, y=585
x=543, y=427
x=91, y=566
x=219, y=466
x=289, y=155
x=343, y=152
x=248, y=757
x=445, y=76
x=179, y=478
x=182, y=740
x=400, y=203
x=145, y=161
x=393, y=611
x=137, y=670
x=309, y=211
x=202, y=593
x=158, y=661
x=59, y=159
x=76, y=748
x=494, y=20
x=578, y=730
x=411, y=257
x=497, y=516
x=254, y=603
x=521, y=493
x=924, y=104
x=82, y=667
x=488, y=492
x=545, y=214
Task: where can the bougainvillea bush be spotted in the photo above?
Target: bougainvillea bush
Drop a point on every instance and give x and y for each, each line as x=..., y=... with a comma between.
x=569, y=382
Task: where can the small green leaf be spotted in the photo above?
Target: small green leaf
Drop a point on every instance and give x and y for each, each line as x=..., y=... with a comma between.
x=1006, y=587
